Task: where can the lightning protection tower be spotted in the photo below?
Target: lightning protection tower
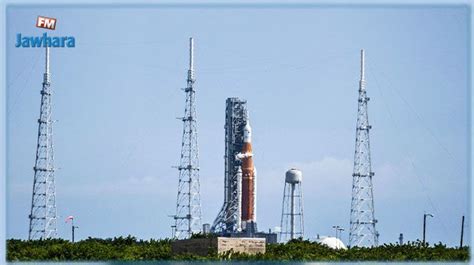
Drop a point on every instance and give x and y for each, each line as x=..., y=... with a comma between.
x=362, y=224
x=188, y=204
x=43, y=213
x=292, y=225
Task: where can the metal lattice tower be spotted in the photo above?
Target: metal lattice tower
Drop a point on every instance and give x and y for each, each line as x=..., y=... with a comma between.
x=188, y=204
x=229, y=218
x=292, y=224
x=43, y=215
x=362, y=224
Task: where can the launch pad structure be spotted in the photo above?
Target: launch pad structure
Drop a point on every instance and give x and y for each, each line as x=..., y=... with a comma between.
x=229, y=218
x=237, y=216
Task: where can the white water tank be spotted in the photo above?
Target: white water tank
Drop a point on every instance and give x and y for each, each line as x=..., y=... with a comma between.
x=293, y=176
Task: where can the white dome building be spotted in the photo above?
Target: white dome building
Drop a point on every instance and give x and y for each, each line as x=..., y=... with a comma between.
x=331, y=242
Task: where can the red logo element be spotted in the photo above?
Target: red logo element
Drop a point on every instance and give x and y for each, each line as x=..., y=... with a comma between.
x=46, y=23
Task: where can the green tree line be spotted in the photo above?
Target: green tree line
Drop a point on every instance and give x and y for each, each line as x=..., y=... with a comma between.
x=129, y=248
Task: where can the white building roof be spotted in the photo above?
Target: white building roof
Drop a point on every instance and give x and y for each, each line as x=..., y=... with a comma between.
x=331, y=242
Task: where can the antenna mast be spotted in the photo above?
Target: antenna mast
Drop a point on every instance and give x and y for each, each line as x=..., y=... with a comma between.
x=43, y=213
x=188, y=204
x=362, y=224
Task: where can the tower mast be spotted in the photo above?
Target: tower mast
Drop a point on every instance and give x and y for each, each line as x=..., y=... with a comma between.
x=43, y=213
x=188, y=204
x=362, y=223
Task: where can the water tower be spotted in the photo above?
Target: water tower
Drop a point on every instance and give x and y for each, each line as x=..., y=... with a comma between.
x=292, y=210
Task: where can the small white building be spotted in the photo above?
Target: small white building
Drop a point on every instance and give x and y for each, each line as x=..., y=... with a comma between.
x=331, y=242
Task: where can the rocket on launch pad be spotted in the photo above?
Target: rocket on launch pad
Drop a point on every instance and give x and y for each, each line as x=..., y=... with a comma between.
x=249, y=178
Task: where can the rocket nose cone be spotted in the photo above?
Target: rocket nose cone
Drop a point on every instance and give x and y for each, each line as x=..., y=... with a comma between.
x=247, y=133
x=247, y=128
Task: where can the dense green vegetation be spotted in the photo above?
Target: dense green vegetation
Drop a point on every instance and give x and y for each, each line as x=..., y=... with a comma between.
x=129, y=248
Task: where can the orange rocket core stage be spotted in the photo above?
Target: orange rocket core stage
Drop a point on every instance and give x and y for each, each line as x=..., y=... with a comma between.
x=248, y=183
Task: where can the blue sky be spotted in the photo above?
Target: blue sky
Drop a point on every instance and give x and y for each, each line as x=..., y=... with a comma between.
x=117, y=94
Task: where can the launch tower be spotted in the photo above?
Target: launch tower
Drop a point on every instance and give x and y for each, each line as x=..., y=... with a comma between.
x=229, y=218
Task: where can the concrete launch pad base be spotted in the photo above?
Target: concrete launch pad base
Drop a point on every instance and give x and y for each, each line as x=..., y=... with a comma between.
x=204, y=246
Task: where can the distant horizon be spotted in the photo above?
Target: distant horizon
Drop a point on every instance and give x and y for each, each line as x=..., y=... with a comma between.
x=116, y=101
